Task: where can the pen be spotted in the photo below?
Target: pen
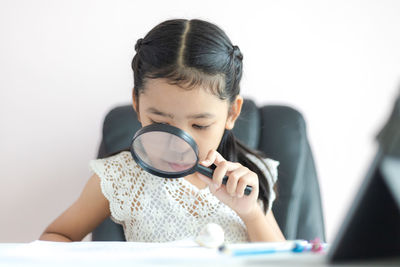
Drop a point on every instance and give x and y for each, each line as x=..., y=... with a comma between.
x=261, y=248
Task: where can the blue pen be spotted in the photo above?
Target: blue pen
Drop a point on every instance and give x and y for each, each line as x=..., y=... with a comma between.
x=261, y=248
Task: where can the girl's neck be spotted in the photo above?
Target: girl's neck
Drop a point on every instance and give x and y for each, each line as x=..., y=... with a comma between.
x=194, y=180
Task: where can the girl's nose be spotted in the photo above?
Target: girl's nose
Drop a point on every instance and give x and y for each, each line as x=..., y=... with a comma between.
x=178, y=144
x=180, y=147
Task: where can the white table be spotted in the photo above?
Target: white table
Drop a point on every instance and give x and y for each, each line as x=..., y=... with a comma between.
x=120, y=254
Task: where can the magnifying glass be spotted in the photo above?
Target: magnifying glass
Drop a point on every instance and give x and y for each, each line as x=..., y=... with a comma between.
x=169, y=152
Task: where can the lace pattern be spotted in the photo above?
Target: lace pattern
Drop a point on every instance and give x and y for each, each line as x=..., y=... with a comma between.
x=151, y=209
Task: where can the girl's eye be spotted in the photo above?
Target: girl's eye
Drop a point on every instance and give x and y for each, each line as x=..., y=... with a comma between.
x=196, y=126
x=152, y=121
x=200, y=127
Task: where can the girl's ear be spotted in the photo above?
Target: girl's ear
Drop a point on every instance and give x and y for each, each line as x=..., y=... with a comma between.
x=135, y=104
x=234, y=112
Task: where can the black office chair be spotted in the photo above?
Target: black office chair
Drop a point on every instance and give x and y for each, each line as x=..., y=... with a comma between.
x=279, y=132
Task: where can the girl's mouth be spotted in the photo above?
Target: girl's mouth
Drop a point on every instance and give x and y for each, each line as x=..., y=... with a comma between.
x=179, y=167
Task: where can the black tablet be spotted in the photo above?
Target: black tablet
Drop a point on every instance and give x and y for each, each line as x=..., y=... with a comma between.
x=371, y=228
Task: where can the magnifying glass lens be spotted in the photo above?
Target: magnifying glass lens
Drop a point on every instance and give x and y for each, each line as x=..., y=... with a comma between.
x=165, y=152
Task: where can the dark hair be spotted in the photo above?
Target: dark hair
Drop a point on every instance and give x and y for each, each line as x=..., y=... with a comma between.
x=191, y=53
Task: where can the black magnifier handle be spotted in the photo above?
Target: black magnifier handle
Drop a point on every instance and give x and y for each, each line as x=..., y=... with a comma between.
x=209, y=173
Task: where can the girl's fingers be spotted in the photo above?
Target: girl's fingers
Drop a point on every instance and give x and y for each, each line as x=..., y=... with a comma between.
x=233, y=179
x=210, y=158
x=213, y=157
x=218, y=158
x=241, y=185
x=238, y=176
x=219, y=173
x=224, y=168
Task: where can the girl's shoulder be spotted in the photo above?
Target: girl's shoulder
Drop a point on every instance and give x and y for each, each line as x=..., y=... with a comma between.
x=118, y=161
x=120, y=179
x=117, y=168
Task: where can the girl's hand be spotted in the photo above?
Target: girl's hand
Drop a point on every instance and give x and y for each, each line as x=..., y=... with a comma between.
x=232, y=194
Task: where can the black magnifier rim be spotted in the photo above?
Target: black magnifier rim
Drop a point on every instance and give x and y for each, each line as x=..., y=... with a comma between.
x=160, y=127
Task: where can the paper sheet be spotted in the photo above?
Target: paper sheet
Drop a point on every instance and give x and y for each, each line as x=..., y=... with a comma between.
x=107, y=253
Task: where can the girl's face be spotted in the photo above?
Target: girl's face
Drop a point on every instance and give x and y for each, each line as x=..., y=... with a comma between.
x=198, y=112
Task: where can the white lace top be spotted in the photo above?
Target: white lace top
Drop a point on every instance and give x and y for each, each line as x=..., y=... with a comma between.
x=152, y=209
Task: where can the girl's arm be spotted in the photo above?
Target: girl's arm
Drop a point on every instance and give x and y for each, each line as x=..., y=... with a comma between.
x=82, y=217
x=261, y=228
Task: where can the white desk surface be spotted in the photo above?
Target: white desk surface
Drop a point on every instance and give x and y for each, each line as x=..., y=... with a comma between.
x=120, y=254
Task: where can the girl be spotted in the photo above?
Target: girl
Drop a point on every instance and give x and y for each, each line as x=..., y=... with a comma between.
x=186, y=74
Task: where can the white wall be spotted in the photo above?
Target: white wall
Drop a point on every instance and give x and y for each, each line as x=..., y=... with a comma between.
x=64, y=64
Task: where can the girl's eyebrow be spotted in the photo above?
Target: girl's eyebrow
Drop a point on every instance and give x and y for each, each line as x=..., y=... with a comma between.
x=157, y=112
x=204, y=115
